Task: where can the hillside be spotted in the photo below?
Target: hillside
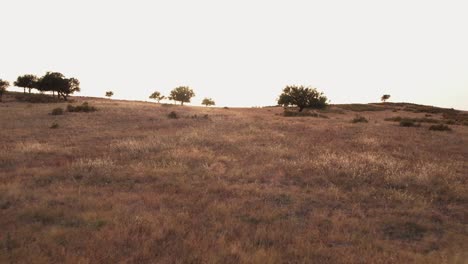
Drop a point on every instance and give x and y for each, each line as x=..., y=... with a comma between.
x=128, y=184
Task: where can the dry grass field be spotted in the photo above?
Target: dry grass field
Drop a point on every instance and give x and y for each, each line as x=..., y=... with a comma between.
x=127, y=184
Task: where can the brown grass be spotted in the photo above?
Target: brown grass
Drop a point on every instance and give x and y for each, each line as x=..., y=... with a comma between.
x=126, y=184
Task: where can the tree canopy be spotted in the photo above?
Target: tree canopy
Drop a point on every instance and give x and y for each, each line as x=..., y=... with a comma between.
x=157, y=96
x=3, y=86
x=109, y=94
x=208, y=102
x=183, y=94
x=302, y=97
x=385, y=97
x=56, y=82
x=26, y=81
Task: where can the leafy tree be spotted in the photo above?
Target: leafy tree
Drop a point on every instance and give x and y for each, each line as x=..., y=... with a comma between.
x=208, y=102
x=183, y=94
x=157, y=96
x=385, y=97
x=56, y=82
x=109, y=94
x=26, y=81
x=3, y=86
x=302, y=97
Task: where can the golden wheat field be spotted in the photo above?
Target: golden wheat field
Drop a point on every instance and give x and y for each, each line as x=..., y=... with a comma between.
x=128, y=184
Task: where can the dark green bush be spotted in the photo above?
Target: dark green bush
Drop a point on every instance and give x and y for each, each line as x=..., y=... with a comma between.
x=36, y=98
x=57, y=111
x=440, y=127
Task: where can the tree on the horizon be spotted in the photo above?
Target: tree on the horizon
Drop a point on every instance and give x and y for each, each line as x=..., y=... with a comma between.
x=302, y=97
x=183, y=94
x=109, y=94
x=385, y=97
x=157, y=96
x=208, y=102
x=56, y=82
x=26, y=81
x=3, y=86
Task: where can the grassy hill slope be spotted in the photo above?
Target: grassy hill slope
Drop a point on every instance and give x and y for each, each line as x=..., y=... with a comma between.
x=127, y=184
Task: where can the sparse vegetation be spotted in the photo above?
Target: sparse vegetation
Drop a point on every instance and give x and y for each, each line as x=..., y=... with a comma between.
x=109, y=94
x=361, y=107
x=302, y=97
x=440, y=127
x=128, y=184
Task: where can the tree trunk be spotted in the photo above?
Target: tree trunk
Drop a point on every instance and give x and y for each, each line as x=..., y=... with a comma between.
x=24, y=89
x=301, y=108
x=29, y=90
x=182, y=103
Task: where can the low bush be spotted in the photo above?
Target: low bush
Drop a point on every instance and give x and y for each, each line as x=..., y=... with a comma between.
x=172, y=115
x=54, y=125
x=408, y=123
x=57, y=111
x=85, y=107
x=359, y=119
x=415, y=120
x=440, y=127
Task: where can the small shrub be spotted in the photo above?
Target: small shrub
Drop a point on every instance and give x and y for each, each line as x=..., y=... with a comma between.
x=172, y=115
x=404, y=231
x=408, y=123
x=54, y=125
x=359, y=119
x=440, y=127
x=451, y=122
x=288, y=113
x=225, y=107
x=85, y=107
x=37, y=98
x=57, y=111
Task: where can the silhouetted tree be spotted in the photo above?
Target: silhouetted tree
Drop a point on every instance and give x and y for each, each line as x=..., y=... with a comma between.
x=157, y=96
x=302, y=97
x=385, y=97
x=109, y=94
x=56, y=82
x=183, y=94
x=26, y=81
x=208, y=102
x=3, y=86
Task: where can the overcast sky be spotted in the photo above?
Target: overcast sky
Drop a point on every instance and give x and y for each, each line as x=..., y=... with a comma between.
x=243, y=52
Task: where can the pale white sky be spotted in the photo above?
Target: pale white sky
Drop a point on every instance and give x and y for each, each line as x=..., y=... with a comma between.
x=243, y=52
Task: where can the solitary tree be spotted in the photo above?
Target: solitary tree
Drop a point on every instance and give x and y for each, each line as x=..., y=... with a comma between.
x=3, y=86
x=385, y=97
x=109, y=94
x=183, y=94
x=26, y=81
x=302, y=97
x=208, y=102
x=157, y=96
